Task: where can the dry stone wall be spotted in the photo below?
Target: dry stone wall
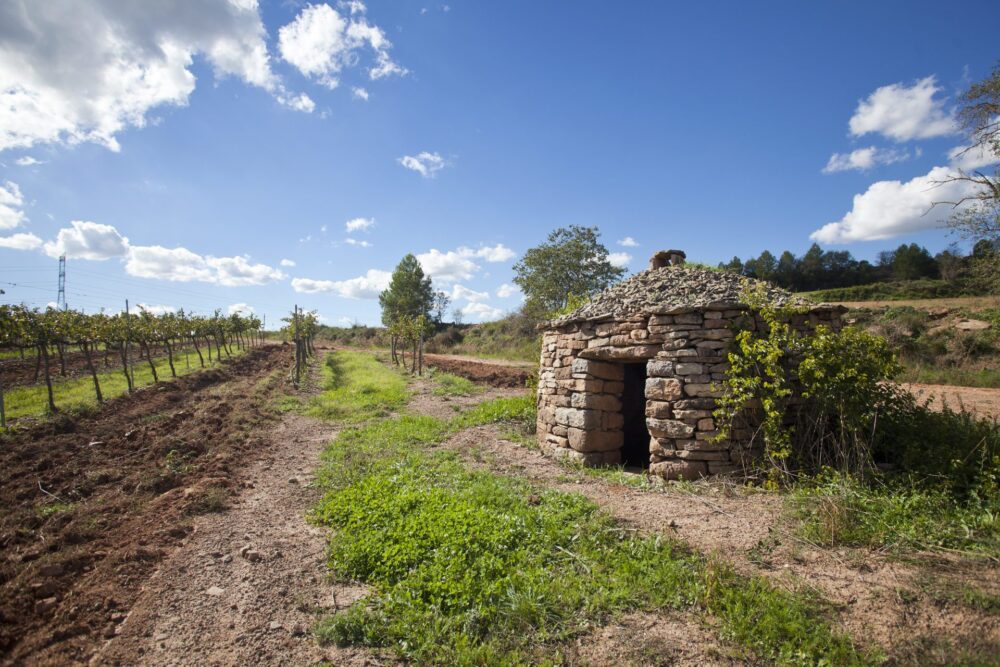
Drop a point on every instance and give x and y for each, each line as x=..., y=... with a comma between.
x=581, y=383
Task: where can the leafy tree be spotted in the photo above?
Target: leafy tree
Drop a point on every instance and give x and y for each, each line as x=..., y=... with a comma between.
x=572, y=261
x=409, y=293
x=441, y=302
x=735, y=265
x=911, y=262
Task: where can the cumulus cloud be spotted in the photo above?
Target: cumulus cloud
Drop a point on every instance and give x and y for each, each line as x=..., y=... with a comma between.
x=359, y=93
x=238, y=272
x=368, y=286
x=497, y=253
x=481, y=312
x=902, y=112
x=972, y=158
x=628, y=242
x=88, y=240
x=356, y=242
x=287, y=263
x=891, y=208
x=424, y=163
x=448, y=266
x=27, y=161
x=462, y=293
x=863, y=159
x=619, y=259
x=173, y=264
x=11, y=201
x=321, y=42
x=24, y=241
x=241, y=308
x=103, y=65
x=359, y=224
x=507, y=290
x=156, y=309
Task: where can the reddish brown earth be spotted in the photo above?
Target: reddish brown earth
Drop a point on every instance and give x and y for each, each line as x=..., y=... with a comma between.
x=93, y=505
x=493, y=373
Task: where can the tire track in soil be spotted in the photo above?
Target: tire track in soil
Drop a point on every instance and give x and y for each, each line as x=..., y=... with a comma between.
x=250, y=583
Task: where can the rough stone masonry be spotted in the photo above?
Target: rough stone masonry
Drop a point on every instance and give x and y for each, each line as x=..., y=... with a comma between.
x=678, y=321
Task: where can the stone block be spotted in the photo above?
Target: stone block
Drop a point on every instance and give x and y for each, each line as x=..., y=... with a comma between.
x=598, y=342
x=663, y=389
x=596, y=402
x=659, y=368
x=706, y=424
x=639, y=334
x=668, y=428
x=583, y=419
x=688, y=369
x=658, y=410
x=598, y=369
x=630, y=353
x=695, y=404
x=689, y=455
x=612, y=421
x=702, y=390
x=678, y=469
x=689, y=318
x=692, y=414
x=595, y=441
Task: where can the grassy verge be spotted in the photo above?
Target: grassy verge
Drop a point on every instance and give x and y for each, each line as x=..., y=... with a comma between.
x=470, y=567
x=356, y=387
x=446, y=384
x=77, y=394
x=959, y=377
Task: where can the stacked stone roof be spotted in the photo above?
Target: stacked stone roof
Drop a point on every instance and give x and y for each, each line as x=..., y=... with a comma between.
x=675, y=289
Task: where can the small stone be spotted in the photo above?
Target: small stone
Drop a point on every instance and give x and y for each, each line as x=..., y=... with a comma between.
x=293, y=480
x=298, y=630
x=253, y=555
x=274, y=625
x=45, y=606
x=215, y=591
x=228, y=558
x=95, y=443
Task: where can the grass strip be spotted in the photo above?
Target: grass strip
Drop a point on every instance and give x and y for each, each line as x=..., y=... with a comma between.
x=77, y=394
x=470, y=567
x=356, y=387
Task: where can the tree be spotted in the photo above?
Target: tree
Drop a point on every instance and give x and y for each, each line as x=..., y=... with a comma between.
x=409, y=293
x=911, y=262
x=572, y=262
x=441, y=301
x=977, y=215
x=735, y=265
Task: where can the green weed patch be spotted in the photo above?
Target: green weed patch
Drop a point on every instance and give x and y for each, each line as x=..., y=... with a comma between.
x=356, y=387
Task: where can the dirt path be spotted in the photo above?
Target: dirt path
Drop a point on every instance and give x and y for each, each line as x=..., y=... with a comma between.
x=250, y=583
x=982, y=401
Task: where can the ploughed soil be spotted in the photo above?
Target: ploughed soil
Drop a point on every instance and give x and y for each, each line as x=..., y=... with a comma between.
x=17, y=372
x=983, y=401
x=92, y=505
x=493, y=373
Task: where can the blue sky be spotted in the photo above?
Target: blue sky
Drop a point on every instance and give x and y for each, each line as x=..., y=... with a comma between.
x=221, y=142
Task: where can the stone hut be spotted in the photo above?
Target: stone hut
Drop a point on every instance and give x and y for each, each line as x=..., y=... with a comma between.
x=633, y=376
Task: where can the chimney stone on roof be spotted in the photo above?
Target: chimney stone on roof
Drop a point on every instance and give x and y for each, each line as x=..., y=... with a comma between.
x=667, y=258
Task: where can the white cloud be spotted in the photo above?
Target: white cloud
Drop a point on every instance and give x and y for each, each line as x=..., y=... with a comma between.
x=971, y=159
x=238, y=271
x=506, y=291
x=20, y=242
x=241, y=308
x=321, y=42
x=359, y=224
x=448, y=266
x=891, y=208
x=300, y=102
x=368, y=286
x=424, y=163
x=173, y=264
x=628, y=242
x=11, y=201
x=287, y=263
x=481, y=312
x=27, y=161
x=85, y=70
x=497, y=253
x=863, y=159
x=356, y=242
x=88, y=240
x=619, y=259
x=460, y=292
x=153, y=309
x=902, y=112
x=359, y=93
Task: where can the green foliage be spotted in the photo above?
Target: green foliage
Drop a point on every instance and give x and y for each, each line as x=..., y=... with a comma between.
x=475, y=568
x=518, y=411
x=894, y=291
x=842, y=375
x=357, y=387
x=409, y=294
x=446, y=384
x=572, y=261
x=512, y=337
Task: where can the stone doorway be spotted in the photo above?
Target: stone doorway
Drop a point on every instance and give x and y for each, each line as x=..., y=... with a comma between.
x=635, y=451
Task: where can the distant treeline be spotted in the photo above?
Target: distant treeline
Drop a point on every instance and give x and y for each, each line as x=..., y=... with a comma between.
x=820, y=269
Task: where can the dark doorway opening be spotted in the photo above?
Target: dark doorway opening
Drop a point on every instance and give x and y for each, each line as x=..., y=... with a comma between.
x=635, y=453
